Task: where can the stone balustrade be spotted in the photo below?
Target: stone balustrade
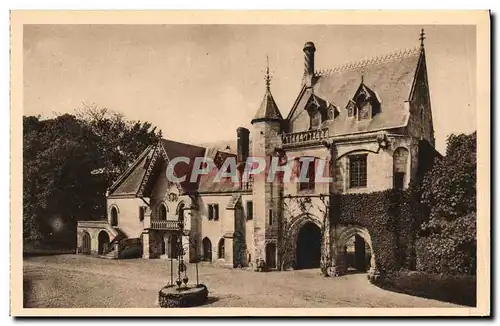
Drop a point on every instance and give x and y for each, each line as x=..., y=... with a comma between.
x=305, y=137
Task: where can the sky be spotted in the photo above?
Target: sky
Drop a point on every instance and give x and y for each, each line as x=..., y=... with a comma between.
x=198, y=83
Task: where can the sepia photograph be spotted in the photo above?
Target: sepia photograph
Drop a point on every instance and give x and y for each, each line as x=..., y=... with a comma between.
x=212, y=163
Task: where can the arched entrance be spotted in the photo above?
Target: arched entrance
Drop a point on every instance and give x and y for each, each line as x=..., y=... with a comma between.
x=207, y=249
x=355, y=250
x=103, y=240
x=221, y=251
x=86, y=243
x=271, y=255
x=309, y=246
x=358, y=254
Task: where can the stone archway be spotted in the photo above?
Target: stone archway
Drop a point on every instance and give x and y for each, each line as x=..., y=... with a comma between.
x=207, y=249
x=308, y=249
x=103, y=242
x=362, y=237
x=287, y=251
x=86, y=243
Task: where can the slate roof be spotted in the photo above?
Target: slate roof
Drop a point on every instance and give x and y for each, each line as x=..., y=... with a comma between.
x=176, y=149
x=128, y=183
x=268, y=109
x=207, y=183
x=390, y=77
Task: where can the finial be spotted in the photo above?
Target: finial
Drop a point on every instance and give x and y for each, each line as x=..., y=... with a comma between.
x=362, y=76
x=268, y=76
x=422, y=38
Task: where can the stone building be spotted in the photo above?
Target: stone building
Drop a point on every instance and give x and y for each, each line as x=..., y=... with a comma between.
x=366, y=119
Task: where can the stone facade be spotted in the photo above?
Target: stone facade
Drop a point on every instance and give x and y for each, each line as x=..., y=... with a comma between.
x=356, y=118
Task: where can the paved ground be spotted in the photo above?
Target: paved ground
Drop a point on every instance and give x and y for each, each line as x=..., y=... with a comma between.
x=83, y=281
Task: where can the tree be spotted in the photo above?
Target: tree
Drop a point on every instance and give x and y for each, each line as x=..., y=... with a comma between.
x=60, y=159
x=448, y=242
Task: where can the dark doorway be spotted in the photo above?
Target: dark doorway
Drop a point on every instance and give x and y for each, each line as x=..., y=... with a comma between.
x=357, y=254
x=163, y=246
x=207, y=249
x=271, y=255
x=174, y=246
x=85, y=243
x=103, y=239
x=360, y=254
x=309, y=246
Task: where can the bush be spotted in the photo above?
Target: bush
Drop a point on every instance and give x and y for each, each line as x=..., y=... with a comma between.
x=450, y=249
x=459, y=289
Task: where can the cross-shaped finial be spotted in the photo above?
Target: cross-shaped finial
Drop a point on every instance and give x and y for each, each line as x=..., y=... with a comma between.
x=268, y=77
x=422, y=38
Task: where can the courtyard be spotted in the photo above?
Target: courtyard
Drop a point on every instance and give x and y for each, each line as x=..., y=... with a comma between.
x=81, y=281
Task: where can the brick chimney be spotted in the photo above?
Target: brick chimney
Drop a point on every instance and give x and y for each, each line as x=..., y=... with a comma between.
x=309, y=50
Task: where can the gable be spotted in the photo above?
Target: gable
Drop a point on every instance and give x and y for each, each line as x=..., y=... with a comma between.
x=129, y=182
x=420, y=122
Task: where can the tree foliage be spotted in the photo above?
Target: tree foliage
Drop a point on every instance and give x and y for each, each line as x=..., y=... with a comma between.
x=68, y=163
x=448, y=242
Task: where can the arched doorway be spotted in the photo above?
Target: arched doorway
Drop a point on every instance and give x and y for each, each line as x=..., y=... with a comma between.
x=103, y=240
x=162, y=212
x=86, y=243
x=221, y=249
x=309, y=246
x=358, y=254
x=207, y=249
x=271, y=255
x=355, y=250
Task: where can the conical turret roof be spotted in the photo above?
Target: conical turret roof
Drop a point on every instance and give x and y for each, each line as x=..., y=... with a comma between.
x=268, y=110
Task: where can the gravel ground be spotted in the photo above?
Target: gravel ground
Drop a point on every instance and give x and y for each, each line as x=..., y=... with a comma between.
x=71, y=281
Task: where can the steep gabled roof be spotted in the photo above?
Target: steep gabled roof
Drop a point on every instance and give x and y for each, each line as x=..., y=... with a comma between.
x=390, y=77
x=128, y=183
x=268, y=110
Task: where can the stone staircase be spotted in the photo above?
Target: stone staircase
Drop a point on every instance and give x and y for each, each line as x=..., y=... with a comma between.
x=123, y=247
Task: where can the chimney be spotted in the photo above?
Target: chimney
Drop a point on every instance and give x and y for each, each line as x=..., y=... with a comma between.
x=242, y=144
x=309, y=50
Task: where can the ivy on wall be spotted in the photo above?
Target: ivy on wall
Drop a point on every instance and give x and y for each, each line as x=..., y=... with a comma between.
x=391, y=217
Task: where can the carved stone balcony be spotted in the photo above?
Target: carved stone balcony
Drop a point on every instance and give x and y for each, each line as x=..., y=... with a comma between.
x=303, y=138
x=164, y=225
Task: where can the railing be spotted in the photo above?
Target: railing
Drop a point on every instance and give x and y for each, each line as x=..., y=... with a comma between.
x=247, y=185
x=305, y=137
x=164, y=225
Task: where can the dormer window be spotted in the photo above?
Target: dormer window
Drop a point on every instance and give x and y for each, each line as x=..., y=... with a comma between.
x=364, y=105
x=317, y=111
x=332, y=112
x=315, y=120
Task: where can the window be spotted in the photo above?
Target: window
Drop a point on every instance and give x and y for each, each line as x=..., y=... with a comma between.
x=114, y=216
x=213, y=212
x=271, y=217
x=364, y=111
x=315, y=120
x=249, y=210
x=310, y=166
x=357, y=171
x=162, y=212
x=400, y=159
x=142, y=212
